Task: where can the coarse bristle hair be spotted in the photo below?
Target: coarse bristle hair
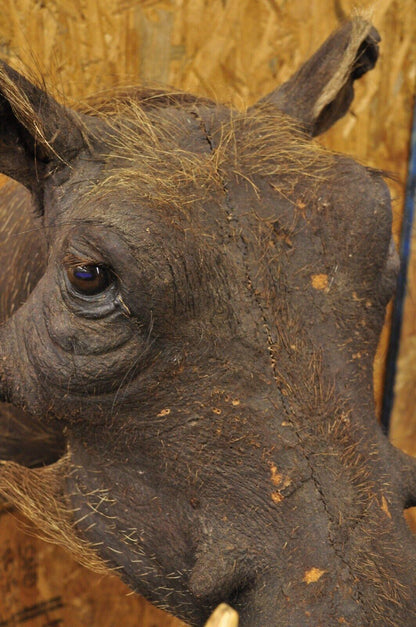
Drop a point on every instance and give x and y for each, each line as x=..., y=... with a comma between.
x=39, y=494
x=149, y=155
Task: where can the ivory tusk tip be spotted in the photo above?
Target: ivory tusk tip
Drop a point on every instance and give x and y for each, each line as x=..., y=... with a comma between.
x=223, y=616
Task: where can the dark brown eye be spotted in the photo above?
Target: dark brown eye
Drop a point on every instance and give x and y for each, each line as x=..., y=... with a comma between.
x=89, y=279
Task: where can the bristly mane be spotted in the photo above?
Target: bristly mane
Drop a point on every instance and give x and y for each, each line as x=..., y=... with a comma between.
x=152, y=150
x=149, y=149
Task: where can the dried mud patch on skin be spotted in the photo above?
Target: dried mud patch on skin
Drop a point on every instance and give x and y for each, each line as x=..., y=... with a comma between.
x=280, y=481
x=313, y=575
x=320, y=281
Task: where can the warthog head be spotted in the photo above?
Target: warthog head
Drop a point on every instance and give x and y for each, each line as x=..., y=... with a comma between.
x=190, y=322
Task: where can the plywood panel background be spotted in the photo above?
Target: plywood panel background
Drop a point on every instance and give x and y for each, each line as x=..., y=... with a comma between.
x=233, y=50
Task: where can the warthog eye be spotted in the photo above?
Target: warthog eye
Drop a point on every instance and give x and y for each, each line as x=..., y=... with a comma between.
x=89, y=279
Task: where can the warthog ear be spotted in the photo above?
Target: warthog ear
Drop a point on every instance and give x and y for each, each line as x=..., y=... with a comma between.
x=34, y=130
x=322, y=90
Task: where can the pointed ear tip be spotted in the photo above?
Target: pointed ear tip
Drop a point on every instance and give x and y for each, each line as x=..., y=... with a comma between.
x=52, y=131
x=364, y=32
x=355, y=31
x=4, y=70
x=8, y=71
x=353, y=48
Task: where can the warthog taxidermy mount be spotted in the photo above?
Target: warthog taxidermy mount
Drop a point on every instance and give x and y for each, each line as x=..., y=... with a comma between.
x=189, y=326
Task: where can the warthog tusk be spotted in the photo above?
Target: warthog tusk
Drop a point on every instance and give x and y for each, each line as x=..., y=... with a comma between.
x=223, y=616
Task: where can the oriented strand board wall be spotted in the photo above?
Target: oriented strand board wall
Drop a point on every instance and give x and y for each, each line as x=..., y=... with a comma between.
x=40, y=586
x=235, y=50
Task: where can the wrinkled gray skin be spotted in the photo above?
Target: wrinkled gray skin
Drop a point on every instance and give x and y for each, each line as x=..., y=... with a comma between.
x=216, y=396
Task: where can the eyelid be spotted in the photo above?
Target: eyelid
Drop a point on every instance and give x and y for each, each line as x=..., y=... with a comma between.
x=112, y=294
x=70, y=261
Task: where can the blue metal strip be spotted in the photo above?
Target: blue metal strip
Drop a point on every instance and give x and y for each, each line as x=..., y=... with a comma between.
x=398, y=305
